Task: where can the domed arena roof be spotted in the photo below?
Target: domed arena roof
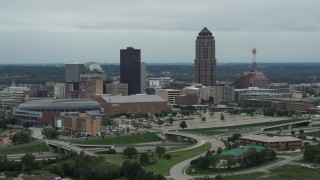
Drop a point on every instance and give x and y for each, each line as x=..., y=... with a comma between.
x=93, y=68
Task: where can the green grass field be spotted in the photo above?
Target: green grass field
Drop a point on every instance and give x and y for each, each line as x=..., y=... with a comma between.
x=228, y=129
x=25, y=148
x=289, y=153
x=315, y=133
x=122, y=139
x=198, y=171
x=286, y=172
x=2, y=130
x=162, y=166
x=179, y=147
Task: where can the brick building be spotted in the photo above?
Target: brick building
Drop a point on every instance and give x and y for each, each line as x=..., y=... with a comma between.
x=83, y=124
x=113, y=105
x=252, y=78
x=281, y=143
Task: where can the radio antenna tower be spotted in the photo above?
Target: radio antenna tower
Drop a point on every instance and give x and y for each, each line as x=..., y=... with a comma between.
x=254, y=64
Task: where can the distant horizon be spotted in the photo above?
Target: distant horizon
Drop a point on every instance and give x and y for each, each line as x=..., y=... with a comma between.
x=163, y=63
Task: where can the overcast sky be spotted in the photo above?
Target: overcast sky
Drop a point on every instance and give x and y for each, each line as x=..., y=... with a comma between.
x=60, y=31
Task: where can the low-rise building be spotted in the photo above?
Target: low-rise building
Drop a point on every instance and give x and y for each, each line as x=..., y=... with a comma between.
x=117, y=88
x=42, y=112
x=82, y=124
x=187, y=100
x=113, y=105
x=168, y=94
x=281, y=143
x=223, y=93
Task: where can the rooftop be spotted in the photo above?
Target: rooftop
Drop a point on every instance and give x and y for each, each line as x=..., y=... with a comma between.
x=241, y=150
x=205, y=31
x=48, y=104
x=132, y=98
x=264, y=138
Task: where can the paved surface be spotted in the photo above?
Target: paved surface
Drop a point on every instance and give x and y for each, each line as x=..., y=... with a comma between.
x=68, y=146
x=39, y=156
x=230, y=120
x=36, y=132
x=177, y=171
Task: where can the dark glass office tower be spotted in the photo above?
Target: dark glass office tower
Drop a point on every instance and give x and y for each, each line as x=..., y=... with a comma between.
x=130, y=69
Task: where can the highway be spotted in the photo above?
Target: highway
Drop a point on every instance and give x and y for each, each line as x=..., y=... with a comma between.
x=68, y=147
x=38, y=156
x=177, y=171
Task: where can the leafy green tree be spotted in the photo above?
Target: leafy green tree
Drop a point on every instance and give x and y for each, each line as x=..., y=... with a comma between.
x=21, y=137
x=140, y=174
x=130, y=170
x=144, y=159
x=231, y=161
x=293, y=132
x=167, y=156
x=130, y=152
x=174, y=114
x=26, y=125
x=301, y=131
x=106, y=121
x=183, y=125
x=218, y=177
x=51, y=133
x=234, y=137
x=27, y=162
x=57, y=169
x=219, y=150
x=302, y=136
x=171, y=120
x=214, y=160
x=221, y=117
x=160, y=150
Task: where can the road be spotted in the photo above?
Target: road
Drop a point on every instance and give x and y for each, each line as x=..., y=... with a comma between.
x=176, y=172
x=287, y=160
x=69, y=147
x=38, y=156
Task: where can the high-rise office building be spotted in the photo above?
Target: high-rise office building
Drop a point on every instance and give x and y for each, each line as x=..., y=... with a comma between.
x=205, y=61
x=73, y=71
x=130, y=69
x=143, y=77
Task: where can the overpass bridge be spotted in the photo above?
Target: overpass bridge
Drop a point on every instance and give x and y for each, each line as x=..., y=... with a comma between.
x=63, y=147
x=180, y=137
x=288, y=125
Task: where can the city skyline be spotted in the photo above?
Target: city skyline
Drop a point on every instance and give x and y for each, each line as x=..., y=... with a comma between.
x=63, y=31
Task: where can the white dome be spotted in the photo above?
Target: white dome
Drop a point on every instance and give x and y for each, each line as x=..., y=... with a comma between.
x=93, y=68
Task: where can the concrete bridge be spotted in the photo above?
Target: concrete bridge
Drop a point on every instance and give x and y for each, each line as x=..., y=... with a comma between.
x=63, y=147
x=288, y=125
x=180, y=137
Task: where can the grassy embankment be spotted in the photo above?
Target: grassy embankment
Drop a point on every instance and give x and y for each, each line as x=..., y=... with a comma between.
x=162, y=165
x=230, y=129
x=122, y=139
x=286, y=172
x=25, y=148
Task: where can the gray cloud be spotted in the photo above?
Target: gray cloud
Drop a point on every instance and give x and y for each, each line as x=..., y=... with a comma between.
x=165, y=30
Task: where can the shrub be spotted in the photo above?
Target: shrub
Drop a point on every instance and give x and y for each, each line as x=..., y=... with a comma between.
x=167, y=156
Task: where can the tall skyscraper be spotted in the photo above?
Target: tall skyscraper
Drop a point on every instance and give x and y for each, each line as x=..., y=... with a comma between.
x=130, y=69
x=73, y=71
x=143, y=77
x=205, y=62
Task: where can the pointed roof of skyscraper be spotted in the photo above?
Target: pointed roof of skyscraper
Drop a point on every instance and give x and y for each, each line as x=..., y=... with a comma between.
x=205, y=31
